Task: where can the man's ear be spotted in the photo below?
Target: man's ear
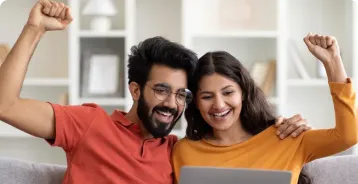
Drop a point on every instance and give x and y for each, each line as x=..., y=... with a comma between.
x=134, y=88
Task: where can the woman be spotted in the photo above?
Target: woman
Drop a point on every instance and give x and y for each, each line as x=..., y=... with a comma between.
x=230, y=123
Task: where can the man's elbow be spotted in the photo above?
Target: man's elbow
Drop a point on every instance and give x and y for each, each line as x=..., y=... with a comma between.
x=4, y=108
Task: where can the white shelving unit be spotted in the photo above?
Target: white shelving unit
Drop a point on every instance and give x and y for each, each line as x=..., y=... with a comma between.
x=83, y=39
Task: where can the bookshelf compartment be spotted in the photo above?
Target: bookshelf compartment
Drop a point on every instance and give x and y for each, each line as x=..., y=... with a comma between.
x=324, y=22
x=102, y=68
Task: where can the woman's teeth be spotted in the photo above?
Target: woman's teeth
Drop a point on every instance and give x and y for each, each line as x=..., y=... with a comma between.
x=221, y=114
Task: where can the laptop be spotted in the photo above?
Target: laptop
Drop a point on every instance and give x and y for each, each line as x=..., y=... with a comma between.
x=218, y=175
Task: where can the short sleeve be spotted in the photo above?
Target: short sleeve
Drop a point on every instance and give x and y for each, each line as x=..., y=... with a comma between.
x=71, y=123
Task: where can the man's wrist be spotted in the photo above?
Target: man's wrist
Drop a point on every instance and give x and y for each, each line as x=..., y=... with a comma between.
x=34, y=31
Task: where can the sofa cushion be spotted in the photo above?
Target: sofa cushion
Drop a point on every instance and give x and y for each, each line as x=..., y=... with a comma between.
x=14, y=171
x=334, y=169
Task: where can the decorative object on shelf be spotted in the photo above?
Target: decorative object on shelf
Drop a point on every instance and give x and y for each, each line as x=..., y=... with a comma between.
x=4, y=51
x=1, y=1
x=102, y=11
x=101, y=74
x=228, y=14
x=298, y=59
x=264, y=74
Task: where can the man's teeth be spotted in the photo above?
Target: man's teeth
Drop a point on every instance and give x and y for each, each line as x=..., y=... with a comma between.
x=164, y=113
x=221, y=113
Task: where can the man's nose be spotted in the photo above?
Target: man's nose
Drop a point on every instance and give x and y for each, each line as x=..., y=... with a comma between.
x=171, y=101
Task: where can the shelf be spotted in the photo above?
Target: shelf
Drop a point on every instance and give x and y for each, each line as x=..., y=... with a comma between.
x=46, y=82
x=236, y=34
x=307, y=82
x=94, y=34
x=104, y=101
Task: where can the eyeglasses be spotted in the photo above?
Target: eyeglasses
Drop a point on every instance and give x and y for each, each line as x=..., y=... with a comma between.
x=183, y=96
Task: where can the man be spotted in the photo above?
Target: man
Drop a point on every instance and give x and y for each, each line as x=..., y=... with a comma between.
x=131, y=147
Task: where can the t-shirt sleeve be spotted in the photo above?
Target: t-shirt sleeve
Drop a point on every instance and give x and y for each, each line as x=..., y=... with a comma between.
x=71, y=123
x=320, y=143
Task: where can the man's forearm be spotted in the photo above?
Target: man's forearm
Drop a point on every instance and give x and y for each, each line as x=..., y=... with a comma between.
x=13, y=70
x=335, y=71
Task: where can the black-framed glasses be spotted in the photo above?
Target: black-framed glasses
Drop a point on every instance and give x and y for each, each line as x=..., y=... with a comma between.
x=162, y=93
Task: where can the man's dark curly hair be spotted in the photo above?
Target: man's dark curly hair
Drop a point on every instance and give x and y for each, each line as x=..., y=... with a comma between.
x=159, y=51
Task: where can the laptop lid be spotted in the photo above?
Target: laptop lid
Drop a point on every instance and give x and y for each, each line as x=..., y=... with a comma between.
x=218, y=175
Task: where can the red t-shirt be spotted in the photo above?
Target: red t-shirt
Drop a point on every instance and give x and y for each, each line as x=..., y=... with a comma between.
x=102, y=148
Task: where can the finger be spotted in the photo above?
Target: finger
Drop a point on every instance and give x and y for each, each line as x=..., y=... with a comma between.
x=282, y=127
x=63, y=13
x=293, y=120
x=68, y=18
x=299, y=131
x=61, y=6
x=317, y=39
x=323, y=42
x=54, y=8
x=308, y=42
x=290, y=129
x=312, y=39
x=329, y=41
x=46, y=6
x=278, y=121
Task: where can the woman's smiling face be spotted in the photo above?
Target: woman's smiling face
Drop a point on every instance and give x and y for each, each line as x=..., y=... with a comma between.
x=219, y=100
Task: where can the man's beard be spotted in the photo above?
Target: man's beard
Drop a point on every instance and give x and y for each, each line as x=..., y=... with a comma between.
x=153, y=126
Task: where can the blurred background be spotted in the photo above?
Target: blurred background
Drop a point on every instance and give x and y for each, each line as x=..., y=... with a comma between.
x=87, y=62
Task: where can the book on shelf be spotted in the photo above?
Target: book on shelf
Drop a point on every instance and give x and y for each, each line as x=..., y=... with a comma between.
x=264, y=74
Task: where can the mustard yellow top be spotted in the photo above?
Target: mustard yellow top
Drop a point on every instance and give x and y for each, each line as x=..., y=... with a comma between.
x=266, y=151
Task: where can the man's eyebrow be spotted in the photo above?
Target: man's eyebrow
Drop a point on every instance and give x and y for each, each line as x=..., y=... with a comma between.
x=162, y=85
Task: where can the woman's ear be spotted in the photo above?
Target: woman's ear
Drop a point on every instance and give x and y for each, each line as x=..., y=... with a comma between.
x=134, y=89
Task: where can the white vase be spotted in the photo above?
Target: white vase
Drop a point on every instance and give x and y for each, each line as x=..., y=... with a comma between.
x=101, y=24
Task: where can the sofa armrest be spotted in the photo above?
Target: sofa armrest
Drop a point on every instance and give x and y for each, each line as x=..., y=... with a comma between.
x=334, y=169
x=14, y=171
